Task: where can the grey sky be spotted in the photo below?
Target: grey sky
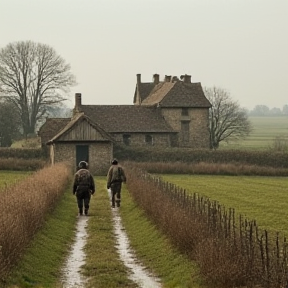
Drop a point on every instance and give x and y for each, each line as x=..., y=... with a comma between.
x=238, y=45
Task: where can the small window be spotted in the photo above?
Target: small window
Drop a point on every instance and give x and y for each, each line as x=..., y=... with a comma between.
x=148, y=139
x=185, y=112
x=127, y=139
x=185, y=126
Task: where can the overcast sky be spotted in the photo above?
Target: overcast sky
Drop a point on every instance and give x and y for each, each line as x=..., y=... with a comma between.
x=237, y=45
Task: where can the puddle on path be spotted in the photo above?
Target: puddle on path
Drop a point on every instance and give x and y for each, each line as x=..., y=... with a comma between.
x=72, y=277
x=138, y=273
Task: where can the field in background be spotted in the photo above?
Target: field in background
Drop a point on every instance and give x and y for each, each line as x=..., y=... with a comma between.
x=265, y=130
x=264, y=199
x=11, y=177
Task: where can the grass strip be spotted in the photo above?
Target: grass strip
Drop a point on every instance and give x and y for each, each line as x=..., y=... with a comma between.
x=43, y=259
x=103, y=266
x=155, y=251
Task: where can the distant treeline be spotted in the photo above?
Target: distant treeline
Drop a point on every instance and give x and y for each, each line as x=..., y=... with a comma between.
x=263, y=110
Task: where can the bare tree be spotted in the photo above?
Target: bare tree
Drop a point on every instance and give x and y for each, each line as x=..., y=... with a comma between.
x=228, y=121
x=34, y=77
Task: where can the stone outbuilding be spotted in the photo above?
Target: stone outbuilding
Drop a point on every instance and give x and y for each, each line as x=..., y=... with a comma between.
x=82, y=140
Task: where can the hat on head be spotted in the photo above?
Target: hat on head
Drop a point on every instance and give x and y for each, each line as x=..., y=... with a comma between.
x=114, y=161
x=83, y=165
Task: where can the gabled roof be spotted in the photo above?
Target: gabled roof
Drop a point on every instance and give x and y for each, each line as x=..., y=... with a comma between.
x=127, y=118
x=185, y=95
x=172, y=94
x=144, y=90
x=70, y=125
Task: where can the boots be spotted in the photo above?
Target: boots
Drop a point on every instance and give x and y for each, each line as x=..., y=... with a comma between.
x=86, y=211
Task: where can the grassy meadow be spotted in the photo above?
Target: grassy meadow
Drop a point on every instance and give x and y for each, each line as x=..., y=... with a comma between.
x=264, y=199
x=264, y=131
x=11, y=177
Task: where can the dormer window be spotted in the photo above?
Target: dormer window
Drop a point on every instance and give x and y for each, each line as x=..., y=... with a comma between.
x=185, y=112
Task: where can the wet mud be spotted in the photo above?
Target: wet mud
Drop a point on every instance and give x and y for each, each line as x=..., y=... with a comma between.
x=72, y=277
x=138, y=273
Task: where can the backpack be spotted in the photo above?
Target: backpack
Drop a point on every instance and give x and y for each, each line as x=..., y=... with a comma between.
x=118, y=175
x=84, y=177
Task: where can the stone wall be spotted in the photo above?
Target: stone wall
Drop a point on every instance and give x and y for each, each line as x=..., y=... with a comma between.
x=198, y=119
x=100, y=156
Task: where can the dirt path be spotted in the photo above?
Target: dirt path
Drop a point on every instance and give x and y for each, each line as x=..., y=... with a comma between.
x=138, y=273
x=72, y=277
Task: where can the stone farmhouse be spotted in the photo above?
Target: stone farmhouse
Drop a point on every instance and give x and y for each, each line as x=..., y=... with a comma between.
x=169, y=113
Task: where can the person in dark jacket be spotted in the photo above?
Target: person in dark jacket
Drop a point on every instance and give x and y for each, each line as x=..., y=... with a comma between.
x=115, y=177
x=83, y=187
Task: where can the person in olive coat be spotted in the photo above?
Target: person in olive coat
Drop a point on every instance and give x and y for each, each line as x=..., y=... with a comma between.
x=115, y=177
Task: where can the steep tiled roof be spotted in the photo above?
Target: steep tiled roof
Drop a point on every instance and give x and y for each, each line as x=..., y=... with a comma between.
x=51, y=127
x=127, y=118
x=158, y=93
x=144, y=90
x=177, y=94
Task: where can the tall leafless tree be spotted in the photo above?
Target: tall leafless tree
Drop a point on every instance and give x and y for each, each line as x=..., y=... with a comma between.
x=34, y=77
x=228, y=121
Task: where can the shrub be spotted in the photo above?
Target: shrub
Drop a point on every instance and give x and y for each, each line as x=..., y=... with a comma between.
x=259, y=158
x=18, y=164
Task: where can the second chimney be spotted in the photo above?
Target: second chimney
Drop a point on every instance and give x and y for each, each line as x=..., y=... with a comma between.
x=186, y=78
x=156, y=78
x=167, y=78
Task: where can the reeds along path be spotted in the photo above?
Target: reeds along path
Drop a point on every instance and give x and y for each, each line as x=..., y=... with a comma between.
x=23, y=207
x=230, y=251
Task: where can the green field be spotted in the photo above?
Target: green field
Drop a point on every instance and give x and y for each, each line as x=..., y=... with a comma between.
x=264, y=199
x=265, y=130
x=11, y=177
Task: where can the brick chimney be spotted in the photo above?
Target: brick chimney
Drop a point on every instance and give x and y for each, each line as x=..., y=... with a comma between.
x=138, y=79
x=156, y=78
x=186, y=78
x=167, y=78
x=78, y=101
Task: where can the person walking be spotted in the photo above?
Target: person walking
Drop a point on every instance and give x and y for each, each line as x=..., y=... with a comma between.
x=115, y=177
x=83, y=187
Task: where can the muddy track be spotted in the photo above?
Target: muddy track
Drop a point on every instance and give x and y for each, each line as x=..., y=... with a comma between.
x=72, y=277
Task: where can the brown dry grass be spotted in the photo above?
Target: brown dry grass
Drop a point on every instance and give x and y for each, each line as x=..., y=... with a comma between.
x=221, y=260
x=23, y=208
x=234, y=169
